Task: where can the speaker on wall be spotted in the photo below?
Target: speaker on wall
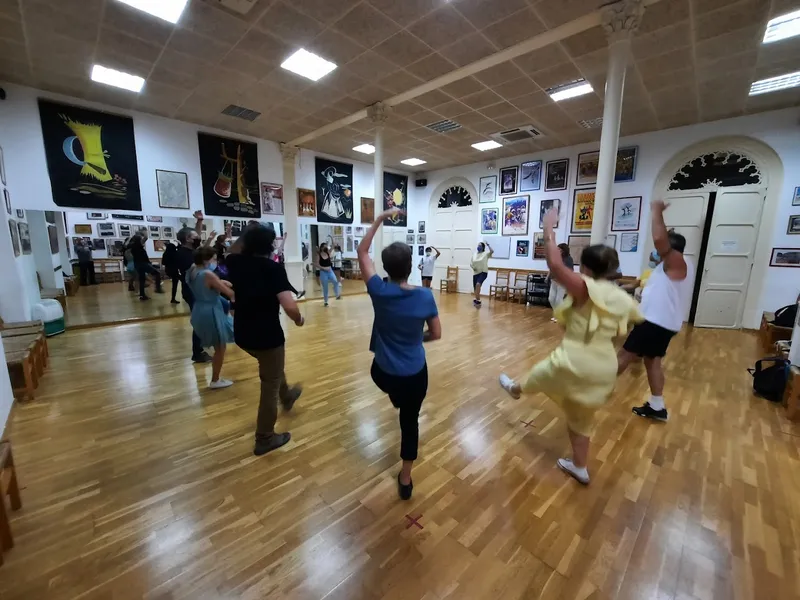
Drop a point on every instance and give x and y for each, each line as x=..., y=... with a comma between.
x=422, y=182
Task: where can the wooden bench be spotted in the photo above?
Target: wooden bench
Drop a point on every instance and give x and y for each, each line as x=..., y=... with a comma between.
x=769, y=333
x=8, y=487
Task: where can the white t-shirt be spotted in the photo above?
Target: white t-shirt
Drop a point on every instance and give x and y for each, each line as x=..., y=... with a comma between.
x=428, y=264
x=337, y=260
x=666, y=302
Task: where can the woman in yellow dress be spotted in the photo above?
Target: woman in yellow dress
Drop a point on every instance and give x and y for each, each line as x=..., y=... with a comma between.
x=580, y=373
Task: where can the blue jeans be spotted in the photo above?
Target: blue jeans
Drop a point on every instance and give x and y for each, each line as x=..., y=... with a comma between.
x=326, y=277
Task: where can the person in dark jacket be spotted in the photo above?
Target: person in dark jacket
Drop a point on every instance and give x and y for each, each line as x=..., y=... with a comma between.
x=85, y=263
x=142, y=265
x=189, y=240
x=168, y=262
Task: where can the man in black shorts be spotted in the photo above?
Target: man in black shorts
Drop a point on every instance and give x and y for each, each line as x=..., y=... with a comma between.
x=665, y=302
x=427, y=265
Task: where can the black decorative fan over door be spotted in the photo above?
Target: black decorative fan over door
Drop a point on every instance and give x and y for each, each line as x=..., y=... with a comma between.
x=455, y=196
x=716, y=169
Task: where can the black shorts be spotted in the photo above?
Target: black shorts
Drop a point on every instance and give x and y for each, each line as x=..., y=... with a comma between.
x=648, y=340
x=479, y=278
x=426, y=278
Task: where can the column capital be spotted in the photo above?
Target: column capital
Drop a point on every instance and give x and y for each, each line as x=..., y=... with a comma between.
x=379, y=113
x=289, y=153
x=621, y=19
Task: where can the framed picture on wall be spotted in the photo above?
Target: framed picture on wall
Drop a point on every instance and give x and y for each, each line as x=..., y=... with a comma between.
x=116, y=248
x=538, y=245
x=306, y=203
x=576, y=245
x=367, y=210
x=2, y=168
x=489, y=221
x=20, y=213
x=24, y=238
x=488, y=189
x=555, y=178
x=103, y=230
x=159, y=245
x=154, y=231
x=12, y=229
x=794, y=225
x=629, y=242
x=271, y=199
x=582, y=211
x=626, y=213
x=421, y=227
x=796, y=197
x=626, y=164
x=410, y=239
x=125, y=230
x=546, y=205
x=587, y=168
x=168, y=233
x=95, y=216
x=523, y=247
x=7, y=198
x=781, y=257
x=422, y=239
x=127, y=217
x=99, y=244
x=515, y=215
x=530, y=176
x=155, y=219
x=83, y=230
x=508, y=180
x=173, y=189
x=420, y=250
x=611, y=240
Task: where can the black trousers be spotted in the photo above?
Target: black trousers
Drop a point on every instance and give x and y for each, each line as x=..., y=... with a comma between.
x=407, y=394
x=87, y=272
x=175, y=280
x=143, y=269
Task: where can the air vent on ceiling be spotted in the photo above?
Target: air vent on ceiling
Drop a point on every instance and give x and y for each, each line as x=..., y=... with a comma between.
x=517, y=134
x=591, y=123
x=241, y=7
x=241, y=113
x=443, y=126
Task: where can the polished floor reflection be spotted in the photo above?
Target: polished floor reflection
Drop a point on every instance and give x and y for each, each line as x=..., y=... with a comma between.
x=138, y=482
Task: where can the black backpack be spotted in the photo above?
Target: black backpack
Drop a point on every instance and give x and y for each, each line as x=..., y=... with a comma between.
x=785, y=317
x=770, y=378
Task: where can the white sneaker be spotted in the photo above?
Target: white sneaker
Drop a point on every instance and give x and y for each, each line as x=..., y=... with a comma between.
x=219, y=384
x=581, y=475
x=508, y=385
x=554, y=320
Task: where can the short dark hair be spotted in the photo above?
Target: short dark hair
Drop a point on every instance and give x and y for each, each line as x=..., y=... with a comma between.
x=676, y=241
x=183, y=233
x=204, y=253
x=258, y=241
x=564, y=248
x=601, y=260
x=428, y=249
x=396, y=259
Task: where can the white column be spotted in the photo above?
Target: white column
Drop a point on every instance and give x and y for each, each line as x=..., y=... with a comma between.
x=620, y=20
x=378, y=113
x=291, y=249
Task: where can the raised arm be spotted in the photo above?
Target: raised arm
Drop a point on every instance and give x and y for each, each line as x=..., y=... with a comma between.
x=364, y=261
x=435, y=249
x=559, y=272
x=674, y=263
x=210, y=239
x=198, y=225
x=491, y=252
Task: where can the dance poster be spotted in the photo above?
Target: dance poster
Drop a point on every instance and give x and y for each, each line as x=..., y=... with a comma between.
x=515, y=215
x=395, y=190
x=583, y=211
x=334, y=187
x=91, y=157
x=229, y=170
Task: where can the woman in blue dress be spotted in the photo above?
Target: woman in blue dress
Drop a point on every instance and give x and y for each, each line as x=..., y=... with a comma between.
x=210, y=319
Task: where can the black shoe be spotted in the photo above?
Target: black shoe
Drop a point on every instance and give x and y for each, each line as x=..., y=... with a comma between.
x=174, y=302
x=144, y=297
x=300, y=295
x=275, y=441
x=202, y=358
x=648, y=412
x=159, y=290
x=294, y=394
x=404, y=491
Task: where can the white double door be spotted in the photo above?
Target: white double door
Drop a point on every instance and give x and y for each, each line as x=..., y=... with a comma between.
x=729, y=253
x=455, y=235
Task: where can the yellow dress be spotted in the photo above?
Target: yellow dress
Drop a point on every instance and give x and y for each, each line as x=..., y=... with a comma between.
x=580, y=374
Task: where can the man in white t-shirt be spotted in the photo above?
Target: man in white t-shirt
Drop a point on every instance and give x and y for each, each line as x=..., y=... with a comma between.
x=665, y=302
x=427, y=265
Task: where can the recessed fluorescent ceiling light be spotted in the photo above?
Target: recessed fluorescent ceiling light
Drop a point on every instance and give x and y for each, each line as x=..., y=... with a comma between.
x=126, y=81
x=484, y=146
x=774, y=84
x=570, y=90
x=413, y=162
x=169, y=10
x=783, y=27
x=309, y=65
x=365, y=149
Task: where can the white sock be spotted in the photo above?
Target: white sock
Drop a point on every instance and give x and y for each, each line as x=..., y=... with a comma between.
x=657, y=402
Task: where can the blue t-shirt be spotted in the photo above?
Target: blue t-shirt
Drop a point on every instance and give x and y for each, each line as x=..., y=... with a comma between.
x=400, y=316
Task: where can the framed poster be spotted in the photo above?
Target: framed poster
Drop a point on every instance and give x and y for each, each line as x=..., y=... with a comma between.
x=626, y=164
x=629, y=242
x=508, y=180
x=523, y=247
x=530, y=176
x=587, y=168
x=796, y=197
x=421, y=227
x=91, y=157
x=489, y=221
x=626, y=213
x=7, y=198
x=153, y=232
x=395, y=188
x=155, y=219
x=410, y=239
x=611, y=240
x=14, y=231
x=555, y=179
x=422, y=238
x=159, y=245
x=576, y=245
x=501, y=245
x=168, y=233
x=2, y=168
x=794, y=225
x=125, y=217
x=538, y=245
x=582, y=211
x=781, y=257
x=173, y=189
x=546, y=205
x=83, y=229
x=306, y=203
x=515, y=215
x=99, y=244
x=488, y=189
x=52, y=237
x=24, y=238
x=116, y=248
x=95, y=216
x=124, y=230
x=367, y=210
x=103, y=230
x=271, y=199
x=229, y=172
x=334, y=187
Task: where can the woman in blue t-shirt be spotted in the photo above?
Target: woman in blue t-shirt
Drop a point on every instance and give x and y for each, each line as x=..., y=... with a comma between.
x=401, y=312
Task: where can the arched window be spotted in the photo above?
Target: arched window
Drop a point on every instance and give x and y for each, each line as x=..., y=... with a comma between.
x=717, y=169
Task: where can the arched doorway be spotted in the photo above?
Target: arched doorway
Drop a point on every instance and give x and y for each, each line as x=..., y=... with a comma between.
x=453, y=228
x=723, y=195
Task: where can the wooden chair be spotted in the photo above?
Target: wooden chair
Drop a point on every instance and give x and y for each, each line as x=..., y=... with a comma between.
x=8, y=487
x=517, y=286
x=499, y=289
x=450, y=283
x=770, y=333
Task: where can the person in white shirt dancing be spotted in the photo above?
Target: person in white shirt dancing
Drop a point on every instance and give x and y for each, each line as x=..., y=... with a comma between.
x=427, y=265
x=665, y=301
x=480, y=270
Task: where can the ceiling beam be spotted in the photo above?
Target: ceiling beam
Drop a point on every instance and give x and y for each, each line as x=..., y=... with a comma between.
x=551, y=36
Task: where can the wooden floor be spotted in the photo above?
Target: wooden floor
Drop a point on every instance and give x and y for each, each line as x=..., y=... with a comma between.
x=140, y=483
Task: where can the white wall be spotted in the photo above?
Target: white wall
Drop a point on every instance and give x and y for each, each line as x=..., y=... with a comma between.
x=780, y=130
x=6, y=395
